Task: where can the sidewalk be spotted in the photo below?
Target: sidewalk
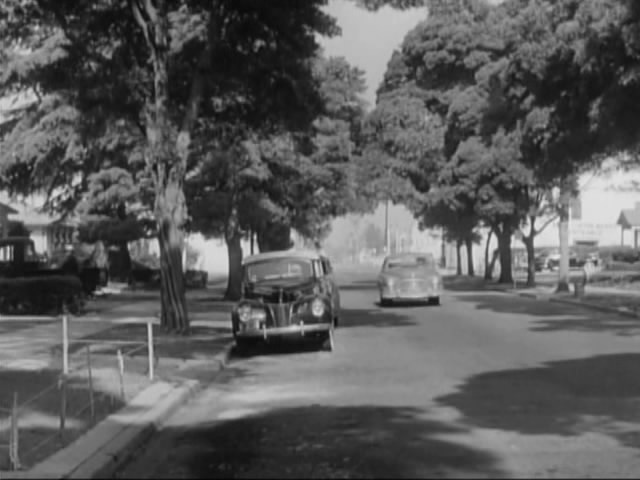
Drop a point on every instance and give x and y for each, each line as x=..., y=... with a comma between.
x=619, y=300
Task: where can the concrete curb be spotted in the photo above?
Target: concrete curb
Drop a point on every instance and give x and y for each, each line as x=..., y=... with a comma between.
x=103, y=450
x=575, y=303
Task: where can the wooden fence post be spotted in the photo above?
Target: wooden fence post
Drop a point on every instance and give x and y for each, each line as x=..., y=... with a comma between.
x=90, y=375
x=63, y=403
x=14, y=439
x=150, y=349
x=121, y=374
x=65, y=344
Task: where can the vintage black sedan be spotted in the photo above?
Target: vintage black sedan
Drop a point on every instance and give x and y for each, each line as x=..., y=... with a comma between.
x=286, y=295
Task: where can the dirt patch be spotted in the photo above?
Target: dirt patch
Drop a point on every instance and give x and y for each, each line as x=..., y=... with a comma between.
x=13, y=326
x=203, y=342
x=40, y=398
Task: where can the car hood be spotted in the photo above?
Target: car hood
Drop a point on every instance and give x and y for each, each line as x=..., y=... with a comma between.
x=403, y=273
x=272, y=291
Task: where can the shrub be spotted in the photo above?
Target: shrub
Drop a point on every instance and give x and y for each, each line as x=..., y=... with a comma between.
x=620, y=254
x=196, y=278
x=41, y=294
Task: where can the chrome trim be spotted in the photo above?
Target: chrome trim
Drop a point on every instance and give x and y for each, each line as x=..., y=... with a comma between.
x=290, y=330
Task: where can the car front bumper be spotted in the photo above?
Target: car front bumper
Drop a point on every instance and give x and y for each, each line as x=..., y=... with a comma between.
x=298, y=330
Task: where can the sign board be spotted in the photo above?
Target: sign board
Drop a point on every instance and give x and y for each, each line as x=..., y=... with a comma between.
x=600, y=232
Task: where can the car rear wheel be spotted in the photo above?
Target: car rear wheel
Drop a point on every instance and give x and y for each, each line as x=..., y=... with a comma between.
x=384, y=302
x=434, y=301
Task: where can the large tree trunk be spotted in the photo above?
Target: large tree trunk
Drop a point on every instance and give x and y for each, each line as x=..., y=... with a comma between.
x=234, y=282
x=458, y=257
x=531, y=259
x=488, y=268
x=168, y=174
x=124, y=261
x=174, y=315
x=563, y=274
x=494, y=260
x=469, y=244
x=166, y=163
x=504, y=248
x=233, y=238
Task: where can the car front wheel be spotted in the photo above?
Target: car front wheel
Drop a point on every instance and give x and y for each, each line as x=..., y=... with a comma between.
x=328, y=342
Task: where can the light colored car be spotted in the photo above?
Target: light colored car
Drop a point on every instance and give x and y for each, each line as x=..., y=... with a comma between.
x=409, y=277
x=286, y=294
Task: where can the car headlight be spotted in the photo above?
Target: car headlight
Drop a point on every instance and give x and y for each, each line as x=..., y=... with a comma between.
x=389, y=281
x=317, y=307
x=436, y=282
x=246, y=313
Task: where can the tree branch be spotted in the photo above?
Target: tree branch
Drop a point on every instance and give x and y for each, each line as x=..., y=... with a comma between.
x=152, y=12
x=197, y=85
x=546, y=224
x=137, y=15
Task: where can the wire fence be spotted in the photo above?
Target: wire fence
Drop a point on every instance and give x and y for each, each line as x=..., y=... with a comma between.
x=91, y=382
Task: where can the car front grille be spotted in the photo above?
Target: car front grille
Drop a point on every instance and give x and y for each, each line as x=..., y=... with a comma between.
x=280, y=313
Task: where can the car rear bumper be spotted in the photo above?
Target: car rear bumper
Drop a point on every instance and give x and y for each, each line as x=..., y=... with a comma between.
x=392, y=294
x=288, y=331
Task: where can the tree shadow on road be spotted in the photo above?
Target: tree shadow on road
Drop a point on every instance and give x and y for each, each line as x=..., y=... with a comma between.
x=557, y=317
x=319, y=442
x=568, y=398
x=376, y=318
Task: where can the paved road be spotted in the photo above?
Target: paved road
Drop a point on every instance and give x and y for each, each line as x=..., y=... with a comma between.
x=487, y=384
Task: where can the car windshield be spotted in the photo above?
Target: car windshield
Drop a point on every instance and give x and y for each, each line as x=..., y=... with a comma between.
x=425, y=261
x=280, y=268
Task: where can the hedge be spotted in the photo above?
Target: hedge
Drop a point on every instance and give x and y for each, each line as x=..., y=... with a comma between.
x=620, y=254
x=41, y=294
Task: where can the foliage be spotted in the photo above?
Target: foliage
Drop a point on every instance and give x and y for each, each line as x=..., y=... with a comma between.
x=300, y=180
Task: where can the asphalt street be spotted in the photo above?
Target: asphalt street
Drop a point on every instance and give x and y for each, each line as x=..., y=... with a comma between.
x=485, y=385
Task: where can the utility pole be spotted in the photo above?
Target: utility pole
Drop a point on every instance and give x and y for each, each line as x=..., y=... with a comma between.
x=387, y=239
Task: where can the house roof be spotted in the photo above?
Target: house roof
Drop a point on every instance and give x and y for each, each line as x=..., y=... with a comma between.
x=630, y=218
x=6, y=209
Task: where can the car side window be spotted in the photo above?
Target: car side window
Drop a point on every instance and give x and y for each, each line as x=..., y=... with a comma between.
x=317, y=267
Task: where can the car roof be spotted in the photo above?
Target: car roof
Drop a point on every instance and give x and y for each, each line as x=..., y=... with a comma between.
x=293, y=253
x=398, y=256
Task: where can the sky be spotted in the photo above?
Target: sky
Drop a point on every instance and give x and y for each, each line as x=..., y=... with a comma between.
x=368, y=39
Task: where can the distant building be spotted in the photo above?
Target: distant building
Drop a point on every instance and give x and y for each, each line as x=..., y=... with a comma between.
x=49, y=233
